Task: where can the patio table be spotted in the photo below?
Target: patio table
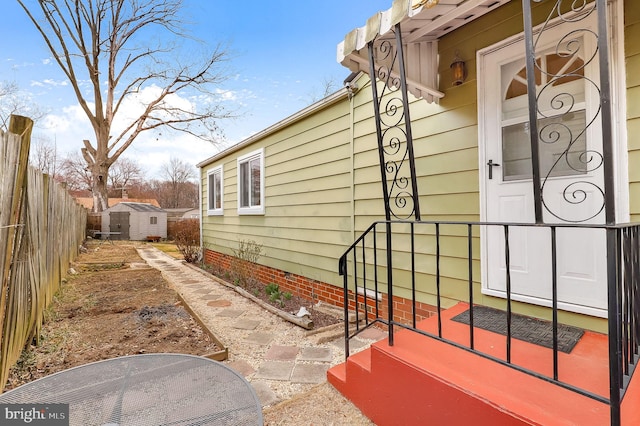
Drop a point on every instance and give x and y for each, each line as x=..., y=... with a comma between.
x=149, y=389
x=106, y=234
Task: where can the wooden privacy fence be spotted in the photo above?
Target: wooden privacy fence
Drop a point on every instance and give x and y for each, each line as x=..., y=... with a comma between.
x=41, y=229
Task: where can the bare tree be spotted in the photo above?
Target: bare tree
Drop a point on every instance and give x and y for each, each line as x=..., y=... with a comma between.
x=178, y=175
x=147, y=189
x=327, y=87
x=15, y=101
x=118, y=47
x=124, y=172
x=74, y=172
x=44, y=155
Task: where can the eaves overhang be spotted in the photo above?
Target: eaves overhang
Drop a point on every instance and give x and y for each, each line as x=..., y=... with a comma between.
x=421, y=28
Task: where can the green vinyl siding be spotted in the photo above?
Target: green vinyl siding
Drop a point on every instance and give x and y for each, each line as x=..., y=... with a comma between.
x=322, y=175
x=632, y=60
x=633, y=107
x=308, y=215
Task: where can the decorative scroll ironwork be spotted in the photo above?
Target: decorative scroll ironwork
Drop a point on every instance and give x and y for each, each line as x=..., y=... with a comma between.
x=393, y=126
x=553, y=109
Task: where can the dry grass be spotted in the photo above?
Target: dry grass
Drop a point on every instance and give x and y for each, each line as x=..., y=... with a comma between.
x=169, y=248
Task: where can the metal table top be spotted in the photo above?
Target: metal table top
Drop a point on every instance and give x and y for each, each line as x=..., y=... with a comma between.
x=150, y=389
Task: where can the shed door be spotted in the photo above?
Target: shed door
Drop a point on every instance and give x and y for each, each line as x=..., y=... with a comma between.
x=119, y=222
x=571, y=171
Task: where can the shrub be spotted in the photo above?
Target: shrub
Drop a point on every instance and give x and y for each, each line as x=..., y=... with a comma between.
x=187, y=238
x=242, y=264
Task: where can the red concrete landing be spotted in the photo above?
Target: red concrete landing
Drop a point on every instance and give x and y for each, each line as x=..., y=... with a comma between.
x=422, y=381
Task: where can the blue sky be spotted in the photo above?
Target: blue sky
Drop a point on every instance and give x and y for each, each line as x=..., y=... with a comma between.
x=281, y=53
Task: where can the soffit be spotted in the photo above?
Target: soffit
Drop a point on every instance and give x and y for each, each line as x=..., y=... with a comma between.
x=421, y=28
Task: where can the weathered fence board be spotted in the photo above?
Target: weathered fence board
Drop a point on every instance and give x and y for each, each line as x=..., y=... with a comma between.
x=41, y=228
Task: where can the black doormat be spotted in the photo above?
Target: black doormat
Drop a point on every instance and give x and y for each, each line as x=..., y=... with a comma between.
x=530, y=330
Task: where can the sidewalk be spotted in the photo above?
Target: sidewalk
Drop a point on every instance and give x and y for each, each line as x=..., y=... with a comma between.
x=280, y=359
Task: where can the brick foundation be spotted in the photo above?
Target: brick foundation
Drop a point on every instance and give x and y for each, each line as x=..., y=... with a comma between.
x=314, y=291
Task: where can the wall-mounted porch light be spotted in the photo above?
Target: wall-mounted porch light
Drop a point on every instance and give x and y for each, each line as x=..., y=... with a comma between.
x=426, y=3
x=458, y=70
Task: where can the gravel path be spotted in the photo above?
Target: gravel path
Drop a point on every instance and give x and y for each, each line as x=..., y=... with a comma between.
x=285, y=364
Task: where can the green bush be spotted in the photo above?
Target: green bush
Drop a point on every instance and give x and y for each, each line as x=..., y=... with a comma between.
x=275, y=295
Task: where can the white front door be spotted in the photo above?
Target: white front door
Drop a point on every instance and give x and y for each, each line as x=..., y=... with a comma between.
x=571, y=170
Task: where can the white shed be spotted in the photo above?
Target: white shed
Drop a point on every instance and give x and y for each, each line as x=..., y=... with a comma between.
x=134, y=221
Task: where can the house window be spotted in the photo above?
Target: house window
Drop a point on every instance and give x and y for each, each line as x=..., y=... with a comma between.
x=215, y=194
x=251, y=183
x=153, y=220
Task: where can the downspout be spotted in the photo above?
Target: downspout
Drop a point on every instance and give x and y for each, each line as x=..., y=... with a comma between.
x=352, y=89
x=201, y=217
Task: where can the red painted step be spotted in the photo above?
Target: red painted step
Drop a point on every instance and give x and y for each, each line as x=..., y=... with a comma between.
x=423, y=381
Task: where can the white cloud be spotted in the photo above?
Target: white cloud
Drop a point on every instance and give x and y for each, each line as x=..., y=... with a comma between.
x=227, y=95
x=49, y=82
x=46, y=61
x=134, y=106
x=52, y=82
x=152, y=151
x=69, y=126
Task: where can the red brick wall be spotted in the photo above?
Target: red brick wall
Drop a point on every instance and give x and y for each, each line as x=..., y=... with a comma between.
x=315, y=291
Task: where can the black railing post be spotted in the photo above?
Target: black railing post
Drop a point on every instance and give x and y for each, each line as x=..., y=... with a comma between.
x=470, y=266
x=355, y=286
x=438, y=301
x=407, y=124
x=364, y=283
x=615, y=378
x=554, y=299
x=378, y=120
x=413, y=275
x=635, y=300
x=390, y=282
x=608, y=152
x=507, y=263
x=342, y=268
x=624, y=269
x=375, y=268
x=530, y=60
x=393, y=128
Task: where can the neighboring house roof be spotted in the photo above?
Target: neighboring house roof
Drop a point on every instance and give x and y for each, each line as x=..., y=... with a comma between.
x=87, y=202
x=142, y=207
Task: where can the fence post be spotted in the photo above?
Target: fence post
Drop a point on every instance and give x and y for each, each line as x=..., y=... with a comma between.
x=19, y=127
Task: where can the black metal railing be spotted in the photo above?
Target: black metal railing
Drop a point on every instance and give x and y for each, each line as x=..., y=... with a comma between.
x=424, y=260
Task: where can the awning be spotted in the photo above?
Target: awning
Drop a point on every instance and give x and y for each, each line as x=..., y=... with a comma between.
x=421, y=28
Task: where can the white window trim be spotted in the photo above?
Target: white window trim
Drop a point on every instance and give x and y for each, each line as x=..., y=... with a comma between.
x=213, y=211
x=256, y=210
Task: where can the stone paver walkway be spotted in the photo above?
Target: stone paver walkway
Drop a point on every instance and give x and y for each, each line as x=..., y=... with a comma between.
x=280, y=359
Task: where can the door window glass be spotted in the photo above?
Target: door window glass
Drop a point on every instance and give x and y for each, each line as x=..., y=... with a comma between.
x=561, y=117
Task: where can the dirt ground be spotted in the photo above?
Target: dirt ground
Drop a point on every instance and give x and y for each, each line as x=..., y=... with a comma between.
x=114, y=305
x=110, y=309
